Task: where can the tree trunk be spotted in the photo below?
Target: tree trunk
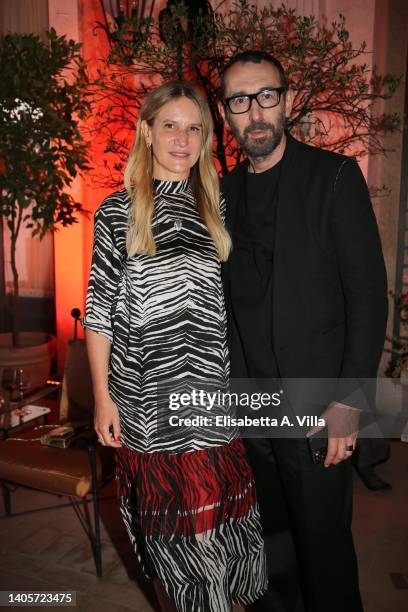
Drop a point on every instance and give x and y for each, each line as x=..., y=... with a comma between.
x=15, y=300
x=220, y=149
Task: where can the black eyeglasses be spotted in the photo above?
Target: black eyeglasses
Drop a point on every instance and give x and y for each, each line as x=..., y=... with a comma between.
x=267, y=98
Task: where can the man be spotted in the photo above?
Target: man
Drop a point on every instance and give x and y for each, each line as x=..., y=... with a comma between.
x=306, y=295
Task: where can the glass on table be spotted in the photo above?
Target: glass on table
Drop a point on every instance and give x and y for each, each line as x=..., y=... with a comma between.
x=15, y=382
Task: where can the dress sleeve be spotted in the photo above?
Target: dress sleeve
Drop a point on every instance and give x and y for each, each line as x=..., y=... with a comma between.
x=103, y=279
x=223, y=207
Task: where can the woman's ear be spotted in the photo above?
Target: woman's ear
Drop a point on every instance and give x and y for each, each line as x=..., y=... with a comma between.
x=146, y=131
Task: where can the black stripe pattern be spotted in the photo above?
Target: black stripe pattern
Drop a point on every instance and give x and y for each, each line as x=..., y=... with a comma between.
x=165, y=318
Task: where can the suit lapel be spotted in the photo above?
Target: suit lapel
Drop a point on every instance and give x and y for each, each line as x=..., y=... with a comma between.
x=286, y=218
x=232, y=196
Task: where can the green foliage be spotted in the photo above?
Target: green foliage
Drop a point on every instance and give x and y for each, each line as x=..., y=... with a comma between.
x=399, y=346
x=42, y=101
x=336, y=93
x=41, y=149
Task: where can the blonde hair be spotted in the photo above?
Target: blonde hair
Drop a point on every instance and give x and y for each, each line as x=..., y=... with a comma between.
x=203, y=176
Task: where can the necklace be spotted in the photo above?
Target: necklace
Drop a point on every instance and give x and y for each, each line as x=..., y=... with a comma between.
x=178, y=224
x=178, y=221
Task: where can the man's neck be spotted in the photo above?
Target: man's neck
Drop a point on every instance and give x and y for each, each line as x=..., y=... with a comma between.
x=261, y=164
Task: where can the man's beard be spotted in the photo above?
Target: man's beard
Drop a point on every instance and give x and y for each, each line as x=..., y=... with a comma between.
x=260, y=147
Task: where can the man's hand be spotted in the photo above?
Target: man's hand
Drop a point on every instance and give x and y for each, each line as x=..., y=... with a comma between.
x=342, y=424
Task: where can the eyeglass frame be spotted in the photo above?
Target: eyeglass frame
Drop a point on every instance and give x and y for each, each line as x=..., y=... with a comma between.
x=254, y=96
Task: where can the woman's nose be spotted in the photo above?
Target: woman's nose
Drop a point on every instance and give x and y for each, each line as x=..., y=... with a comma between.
x=181, y=137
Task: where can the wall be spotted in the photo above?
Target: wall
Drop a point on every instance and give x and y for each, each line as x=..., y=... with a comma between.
x=95, y=46
x=390, y=54
x=35, y=257
x=381, y=23
x=69, y=241
x=24, y=16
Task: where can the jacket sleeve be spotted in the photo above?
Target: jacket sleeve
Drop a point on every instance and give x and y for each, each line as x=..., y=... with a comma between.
x=103, y=279
x=362, y=272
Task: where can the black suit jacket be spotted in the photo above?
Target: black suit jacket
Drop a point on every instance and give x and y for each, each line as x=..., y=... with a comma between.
x=330, y=286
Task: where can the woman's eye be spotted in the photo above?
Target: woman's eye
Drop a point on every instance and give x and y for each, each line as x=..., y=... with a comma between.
x=194, y=128
x=169, y=125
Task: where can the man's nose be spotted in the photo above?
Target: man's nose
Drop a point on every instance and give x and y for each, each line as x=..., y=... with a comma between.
x=255, y=112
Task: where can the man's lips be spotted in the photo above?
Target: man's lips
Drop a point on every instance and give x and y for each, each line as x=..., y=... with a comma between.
x=258, y=133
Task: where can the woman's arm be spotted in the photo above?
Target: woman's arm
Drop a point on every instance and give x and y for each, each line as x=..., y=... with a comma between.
x=106, y=414
x=102, y=287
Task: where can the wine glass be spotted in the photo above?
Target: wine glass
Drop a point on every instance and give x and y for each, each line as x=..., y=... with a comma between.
x=14, y=380
x=22, y=383
x=10, y=382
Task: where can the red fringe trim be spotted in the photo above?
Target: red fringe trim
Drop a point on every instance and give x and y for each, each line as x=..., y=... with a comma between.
x=186, y=493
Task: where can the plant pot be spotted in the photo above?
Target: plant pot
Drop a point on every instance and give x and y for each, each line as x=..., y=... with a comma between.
x=34, y=357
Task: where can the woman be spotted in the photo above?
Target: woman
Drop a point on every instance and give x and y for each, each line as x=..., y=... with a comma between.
x=155, y=319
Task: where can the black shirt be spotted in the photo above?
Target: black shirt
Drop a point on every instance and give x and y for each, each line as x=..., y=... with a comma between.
x=251, y=276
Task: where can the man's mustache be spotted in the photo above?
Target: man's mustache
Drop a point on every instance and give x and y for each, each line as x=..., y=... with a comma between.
x=258, y=125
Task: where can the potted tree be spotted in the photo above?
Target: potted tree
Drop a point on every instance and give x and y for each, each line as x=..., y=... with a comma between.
x=397, y=366
x=336, y=92
x=42, y=100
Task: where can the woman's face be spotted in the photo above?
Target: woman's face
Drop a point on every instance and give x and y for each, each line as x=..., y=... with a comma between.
x=176, y=139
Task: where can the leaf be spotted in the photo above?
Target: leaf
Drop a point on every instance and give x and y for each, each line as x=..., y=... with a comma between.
x=40, y=113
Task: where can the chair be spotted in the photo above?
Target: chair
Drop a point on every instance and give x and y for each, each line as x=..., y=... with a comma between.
x=77, y=472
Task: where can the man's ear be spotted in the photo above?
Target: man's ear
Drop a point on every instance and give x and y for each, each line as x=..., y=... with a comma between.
x=289, y=97
x=146, y=131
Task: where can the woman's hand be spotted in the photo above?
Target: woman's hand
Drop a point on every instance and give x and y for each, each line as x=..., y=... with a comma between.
x=106, y=422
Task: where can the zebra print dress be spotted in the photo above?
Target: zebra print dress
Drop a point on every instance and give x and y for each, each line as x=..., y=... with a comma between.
x=186, y=493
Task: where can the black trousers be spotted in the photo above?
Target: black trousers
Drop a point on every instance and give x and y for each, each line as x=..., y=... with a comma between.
x=306, y=517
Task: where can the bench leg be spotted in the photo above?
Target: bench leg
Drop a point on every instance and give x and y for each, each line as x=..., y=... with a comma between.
x=95, y=503
x=6, y=499
x=98, y=545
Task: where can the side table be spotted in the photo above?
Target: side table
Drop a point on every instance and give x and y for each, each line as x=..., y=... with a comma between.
x=15, y=414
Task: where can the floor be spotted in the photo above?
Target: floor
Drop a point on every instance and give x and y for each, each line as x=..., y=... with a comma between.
x=47, y=550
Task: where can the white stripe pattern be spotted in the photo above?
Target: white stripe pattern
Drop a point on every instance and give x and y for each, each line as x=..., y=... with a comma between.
x=165, y=318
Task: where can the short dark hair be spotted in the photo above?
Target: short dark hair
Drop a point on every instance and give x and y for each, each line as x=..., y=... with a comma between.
x=255, y=57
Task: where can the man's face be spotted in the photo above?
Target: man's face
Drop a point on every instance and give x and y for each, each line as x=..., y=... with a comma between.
x=260, y=130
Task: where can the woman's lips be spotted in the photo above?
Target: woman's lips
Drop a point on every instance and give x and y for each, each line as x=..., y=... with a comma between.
x=179, y=154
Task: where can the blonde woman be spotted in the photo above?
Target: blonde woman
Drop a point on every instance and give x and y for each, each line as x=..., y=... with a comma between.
x=154, y=314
